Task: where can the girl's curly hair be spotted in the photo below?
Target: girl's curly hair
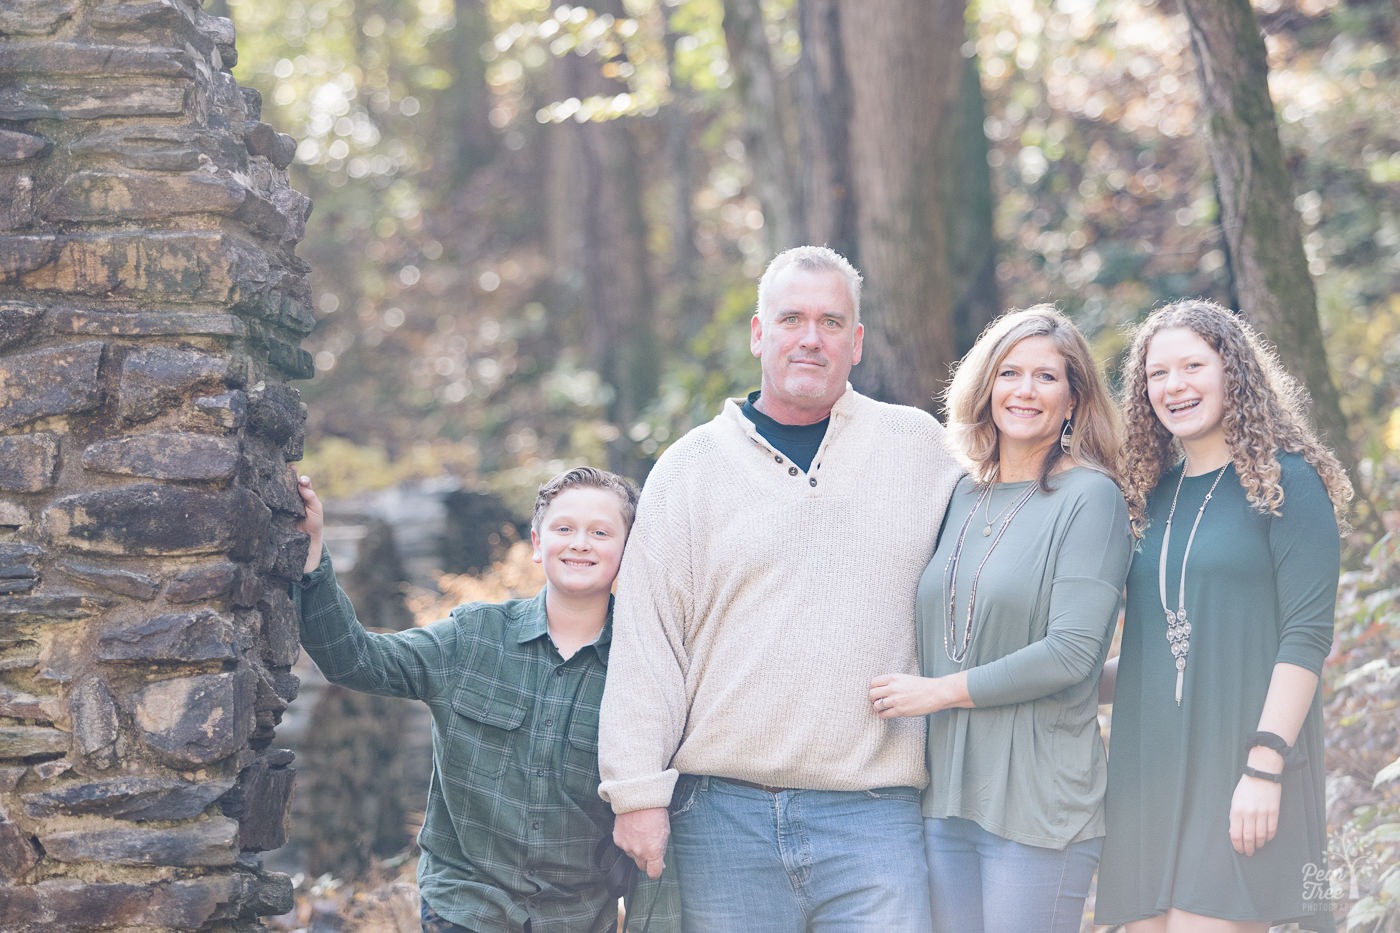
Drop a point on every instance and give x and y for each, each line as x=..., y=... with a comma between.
x=1263, y=413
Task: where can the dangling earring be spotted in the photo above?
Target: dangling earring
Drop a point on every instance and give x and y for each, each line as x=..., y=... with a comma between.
x=1067, y=434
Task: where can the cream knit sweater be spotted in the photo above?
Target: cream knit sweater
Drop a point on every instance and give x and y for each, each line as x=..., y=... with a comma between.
x=756, y=602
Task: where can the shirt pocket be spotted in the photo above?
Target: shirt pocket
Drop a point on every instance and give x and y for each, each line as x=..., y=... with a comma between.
x=486, y=727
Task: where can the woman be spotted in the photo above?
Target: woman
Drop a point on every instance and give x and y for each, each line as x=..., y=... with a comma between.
x=1015, y=612
x=1215, y=801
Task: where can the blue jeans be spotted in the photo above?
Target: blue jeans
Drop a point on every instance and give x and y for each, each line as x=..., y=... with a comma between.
x=979, y=881
x=792, y=861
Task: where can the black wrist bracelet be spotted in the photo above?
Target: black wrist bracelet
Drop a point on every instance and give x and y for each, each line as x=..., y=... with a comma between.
x=1269, y=740
x=1263, y=775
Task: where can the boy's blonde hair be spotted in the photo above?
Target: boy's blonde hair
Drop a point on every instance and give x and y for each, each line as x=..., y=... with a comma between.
x=588, y=478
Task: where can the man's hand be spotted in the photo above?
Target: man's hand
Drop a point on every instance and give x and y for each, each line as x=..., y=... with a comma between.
x=643, y=834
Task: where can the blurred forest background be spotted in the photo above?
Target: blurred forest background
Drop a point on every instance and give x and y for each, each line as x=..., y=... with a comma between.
x=538, y=226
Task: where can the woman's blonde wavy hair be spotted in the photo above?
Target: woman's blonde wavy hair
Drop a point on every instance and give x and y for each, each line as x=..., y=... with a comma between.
x=1096, y=432
x=1263, y=413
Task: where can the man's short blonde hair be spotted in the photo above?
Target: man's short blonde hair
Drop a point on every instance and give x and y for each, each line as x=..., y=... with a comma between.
x=810, y=259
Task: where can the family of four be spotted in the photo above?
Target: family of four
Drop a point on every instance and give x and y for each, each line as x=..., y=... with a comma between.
x=851, y=676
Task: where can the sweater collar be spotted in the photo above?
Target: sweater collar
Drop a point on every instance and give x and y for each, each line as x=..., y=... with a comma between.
x=844, y=406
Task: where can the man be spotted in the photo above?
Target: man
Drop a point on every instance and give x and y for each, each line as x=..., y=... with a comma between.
x=771, y=574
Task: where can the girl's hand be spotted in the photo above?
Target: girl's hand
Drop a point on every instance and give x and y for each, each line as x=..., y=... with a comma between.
x=1254, y=813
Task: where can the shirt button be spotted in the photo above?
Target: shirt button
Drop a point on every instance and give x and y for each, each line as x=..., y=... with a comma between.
x=549, y=722
x=535, y=825
x=777, y=459
x=812, y=481
x=792, y=471
x=559, y=672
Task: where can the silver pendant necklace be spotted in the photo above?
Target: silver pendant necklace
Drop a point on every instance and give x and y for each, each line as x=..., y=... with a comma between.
x=1178, y=626
x=958, y=651
x=987, y=525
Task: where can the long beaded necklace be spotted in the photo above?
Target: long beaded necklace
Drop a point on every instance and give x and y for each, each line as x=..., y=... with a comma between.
x=957, y=652
x=1178, y=626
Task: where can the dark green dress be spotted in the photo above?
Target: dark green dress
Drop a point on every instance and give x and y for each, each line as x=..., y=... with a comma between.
x=1260, y=590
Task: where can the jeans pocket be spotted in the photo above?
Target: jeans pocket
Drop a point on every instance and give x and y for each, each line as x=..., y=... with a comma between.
x=685, y=794
x=905, y=793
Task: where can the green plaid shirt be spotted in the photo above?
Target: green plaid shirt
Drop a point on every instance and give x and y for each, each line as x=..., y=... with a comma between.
x=513, y=813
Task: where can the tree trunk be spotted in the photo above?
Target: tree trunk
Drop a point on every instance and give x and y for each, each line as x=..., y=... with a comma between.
x=1262, y=231
x=770, y=139
x=603, y=300
x=472, y=143
x=906, y=71
x=966, y=192
x=824, y=106
x=887, y=165
x=681, y=291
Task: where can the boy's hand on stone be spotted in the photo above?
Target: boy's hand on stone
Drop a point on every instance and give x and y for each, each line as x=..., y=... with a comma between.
x=313, y=523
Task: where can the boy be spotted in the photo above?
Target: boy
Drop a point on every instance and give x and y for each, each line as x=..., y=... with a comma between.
x=513, y=817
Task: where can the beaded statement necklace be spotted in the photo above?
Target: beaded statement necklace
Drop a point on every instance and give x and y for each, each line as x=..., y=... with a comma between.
x=955, y=648
x=1178, y=626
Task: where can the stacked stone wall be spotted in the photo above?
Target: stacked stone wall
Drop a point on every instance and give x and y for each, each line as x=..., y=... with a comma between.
x=151, y=309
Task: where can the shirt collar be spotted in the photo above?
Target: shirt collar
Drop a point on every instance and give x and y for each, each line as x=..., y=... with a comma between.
x=535, y=624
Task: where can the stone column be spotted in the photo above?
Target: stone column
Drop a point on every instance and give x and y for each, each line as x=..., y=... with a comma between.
x=151, y=308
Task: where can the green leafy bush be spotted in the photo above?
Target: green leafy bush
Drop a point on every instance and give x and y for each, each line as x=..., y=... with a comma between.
x=1362, y=695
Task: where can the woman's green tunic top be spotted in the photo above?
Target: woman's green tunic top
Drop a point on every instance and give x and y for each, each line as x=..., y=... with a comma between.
x=1027, y=764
